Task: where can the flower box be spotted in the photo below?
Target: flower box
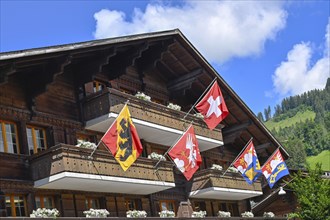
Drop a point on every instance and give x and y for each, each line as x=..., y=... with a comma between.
x=45, y=213
x=156, y=156
x=141, y=95
x=136, y=214
x=166, y=214
x=223, y=214
x=96, y=213
x=200, y=214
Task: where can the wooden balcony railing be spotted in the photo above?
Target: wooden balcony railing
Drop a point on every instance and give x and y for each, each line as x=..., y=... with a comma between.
x=112, y=100
x=214, y=178
x=68, y=158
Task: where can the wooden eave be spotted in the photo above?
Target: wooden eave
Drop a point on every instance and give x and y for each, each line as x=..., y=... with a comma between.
x=168, y=53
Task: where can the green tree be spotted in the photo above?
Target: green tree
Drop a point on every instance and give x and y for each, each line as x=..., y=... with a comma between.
x=297, y=153
x=312, y=192
x=260, y=117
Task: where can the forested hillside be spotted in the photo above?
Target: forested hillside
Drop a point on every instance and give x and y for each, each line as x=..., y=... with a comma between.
x=302, y=124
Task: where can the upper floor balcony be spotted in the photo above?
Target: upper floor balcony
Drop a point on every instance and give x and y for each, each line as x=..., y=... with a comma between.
x=212, y=184
x=155, y=123
x=69, y=167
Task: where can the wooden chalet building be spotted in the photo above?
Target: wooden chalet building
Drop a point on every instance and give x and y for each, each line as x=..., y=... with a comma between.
x=50, y=97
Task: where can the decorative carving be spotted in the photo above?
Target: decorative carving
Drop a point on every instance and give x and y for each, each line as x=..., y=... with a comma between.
x=53, y=120
x=14, y=113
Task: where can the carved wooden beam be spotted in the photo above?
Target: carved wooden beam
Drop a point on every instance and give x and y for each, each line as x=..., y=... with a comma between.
x=153, y=55
x=235, y=128
x=184, y=82
x=124, y=58
x=5, y=71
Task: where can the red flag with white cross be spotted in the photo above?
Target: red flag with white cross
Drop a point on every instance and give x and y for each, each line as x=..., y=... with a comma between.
x=213, y=107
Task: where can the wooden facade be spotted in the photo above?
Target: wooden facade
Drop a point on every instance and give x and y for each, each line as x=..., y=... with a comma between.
x=50, y=97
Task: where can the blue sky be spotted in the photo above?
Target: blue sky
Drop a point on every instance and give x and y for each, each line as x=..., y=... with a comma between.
x=265, y=50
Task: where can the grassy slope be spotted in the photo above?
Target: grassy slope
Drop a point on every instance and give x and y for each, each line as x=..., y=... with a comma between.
x=323, y=157
x=300, y=116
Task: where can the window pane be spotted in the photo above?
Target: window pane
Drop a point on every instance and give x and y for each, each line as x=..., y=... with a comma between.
x=48, y=202
x=2, y=145
x=19, y=205
x=40, y=139
x=170, y=206
x=38, y=203
x=8, y=206
x=11, y=138
x=94, y=204
x=30, y=140
x=163, y=205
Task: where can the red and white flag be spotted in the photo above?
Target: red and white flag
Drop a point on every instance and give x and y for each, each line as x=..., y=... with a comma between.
x=185, y=153
x=213, y=107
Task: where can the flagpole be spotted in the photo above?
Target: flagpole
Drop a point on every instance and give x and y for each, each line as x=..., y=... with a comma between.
x=177, y=140
x=200, y=97
x=247, y=144
x=90, y=156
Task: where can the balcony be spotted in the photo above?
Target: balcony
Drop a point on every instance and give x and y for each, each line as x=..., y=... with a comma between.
x=211, y=184
x=155, y=123
x=68, y=167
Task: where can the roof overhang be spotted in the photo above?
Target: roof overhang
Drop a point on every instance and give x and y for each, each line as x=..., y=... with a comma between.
x=151, y=132
x=101, y=183
x=224, y=193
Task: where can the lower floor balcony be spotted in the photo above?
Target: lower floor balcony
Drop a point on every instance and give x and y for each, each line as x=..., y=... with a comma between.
x=212, y=184
x=69, y=167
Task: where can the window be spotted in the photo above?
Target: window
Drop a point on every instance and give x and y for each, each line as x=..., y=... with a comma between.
x=92, y=203
x=8, y=137
x=229, y=207
x=44, y=202
x=36, y=139
x=199, y=206
x=98, y=86
x=133, y=204
x=167, y=205
x=15, y=205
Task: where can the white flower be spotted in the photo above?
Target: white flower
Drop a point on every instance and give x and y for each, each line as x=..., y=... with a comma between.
x=199, y=115
x=156, y=156
x=232, y=169
x=86, y=144
x=268, y=215
x=166, y=213
x=223, y=214
x=200, y=214
x=247, y=214
x=96, y=213
x=44, y=213
x=141, y=95
x=136, y=214
x=174, y=106
x=216, y=167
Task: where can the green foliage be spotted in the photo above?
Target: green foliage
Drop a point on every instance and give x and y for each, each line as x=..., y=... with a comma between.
x=323, y=157
x=312, y=195
x=290, y=119
x=295, y=148
x=314, y=136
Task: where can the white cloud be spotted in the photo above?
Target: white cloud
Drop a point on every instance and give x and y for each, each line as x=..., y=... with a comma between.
x=297, y=74
x=220, y=30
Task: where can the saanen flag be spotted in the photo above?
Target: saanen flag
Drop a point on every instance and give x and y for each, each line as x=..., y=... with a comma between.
x=248, y=164
x=275, y=168
x=185, y=153
x=213, y=107
x=122, y=140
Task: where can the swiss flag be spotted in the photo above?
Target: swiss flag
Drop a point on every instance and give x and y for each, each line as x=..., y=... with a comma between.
x=213, y=107
x=185, y=153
